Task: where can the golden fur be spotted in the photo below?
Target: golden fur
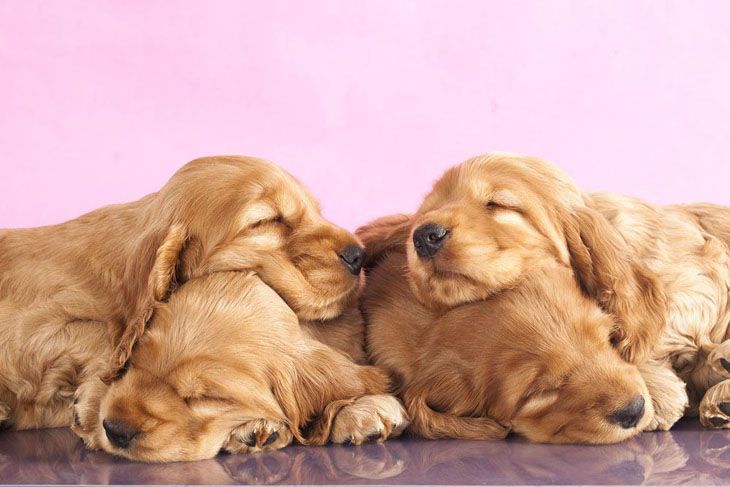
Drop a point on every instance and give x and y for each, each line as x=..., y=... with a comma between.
x=536, y=359
x=660, y=274
x=76, y=297
x=226, y=365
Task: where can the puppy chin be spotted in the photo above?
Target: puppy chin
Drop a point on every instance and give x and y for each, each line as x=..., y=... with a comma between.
x=323, y=308
x=438, y=286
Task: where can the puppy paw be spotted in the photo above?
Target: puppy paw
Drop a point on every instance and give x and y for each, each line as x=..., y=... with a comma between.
x=668, y=395
x=719, y=359
x=369, y=418
x=715, y=406
x=259, y=434
x=85, y=412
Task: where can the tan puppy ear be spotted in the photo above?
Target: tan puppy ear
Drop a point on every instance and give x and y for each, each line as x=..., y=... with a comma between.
x=609, y=272
x=389, y=233
x=164, y=249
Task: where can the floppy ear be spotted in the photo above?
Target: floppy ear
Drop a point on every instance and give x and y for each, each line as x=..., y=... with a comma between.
x=164, y=250
x=389, y=233
x=609, y=272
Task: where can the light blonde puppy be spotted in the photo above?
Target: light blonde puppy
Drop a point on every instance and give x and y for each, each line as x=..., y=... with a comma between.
x=75, y=297
x=660, y=272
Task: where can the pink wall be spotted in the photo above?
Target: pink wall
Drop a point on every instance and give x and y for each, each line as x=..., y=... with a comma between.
x=367, y=102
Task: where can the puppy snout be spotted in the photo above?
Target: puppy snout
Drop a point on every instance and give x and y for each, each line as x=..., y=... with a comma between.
x=353, y=258
x=429, y=238
x=630, y=415
x=119, y=433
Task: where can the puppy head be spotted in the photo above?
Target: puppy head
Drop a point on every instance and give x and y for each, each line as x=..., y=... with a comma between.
x=202, y=372
x=538, y=358
x=248, y=214
x=484, y=223
x=239, y=214
x=561, y=380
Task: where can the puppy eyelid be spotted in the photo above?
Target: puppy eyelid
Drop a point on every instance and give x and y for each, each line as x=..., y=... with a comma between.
x=494, y=205
x=275, y=220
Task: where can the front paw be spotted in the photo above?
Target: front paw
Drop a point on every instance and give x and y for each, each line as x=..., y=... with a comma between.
x=715, y=406
x=374, y=417
x=259, y=434
x=719, y=359
x=85, y=412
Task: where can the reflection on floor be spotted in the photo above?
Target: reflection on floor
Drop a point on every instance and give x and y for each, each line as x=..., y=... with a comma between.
x=686, y=455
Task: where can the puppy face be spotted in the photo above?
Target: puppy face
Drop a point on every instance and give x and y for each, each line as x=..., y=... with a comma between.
x=248, y=214
x=203, y=371
x=585, y=395
x=485, y=222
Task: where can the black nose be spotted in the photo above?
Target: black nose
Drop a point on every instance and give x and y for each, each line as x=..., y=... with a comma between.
x=353, y=258
x=429, y=238
x=630, y=415
x=120, y=434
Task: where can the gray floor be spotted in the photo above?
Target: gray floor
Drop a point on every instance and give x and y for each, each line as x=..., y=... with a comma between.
x=686, y=455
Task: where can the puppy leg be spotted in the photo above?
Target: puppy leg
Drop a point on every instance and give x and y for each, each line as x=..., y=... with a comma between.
x=668, y=394
x=86, y=404
x=719, y=359
x=715, y=406
x=373, y=417
x=259, y=434
x=348, y=401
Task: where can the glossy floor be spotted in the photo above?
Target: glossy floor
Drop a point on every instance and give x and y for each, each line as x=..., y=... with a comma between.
x=686, y=455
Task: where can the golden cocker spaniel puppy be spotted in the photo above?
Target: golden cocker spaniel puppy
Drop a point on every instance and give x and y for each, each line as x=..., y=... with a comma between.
x=75, y=297
x=225, y=365
x=660, y=273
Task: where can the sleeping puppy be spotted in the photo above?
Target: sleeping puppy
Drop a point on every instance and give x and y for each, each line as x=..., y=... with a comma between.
x=537, y=357
x=489, y=220
x=225, y=365
x=75, y=297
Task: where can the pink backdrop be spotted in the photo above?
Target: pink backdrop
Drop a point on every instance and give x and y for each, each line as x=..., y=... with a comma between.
x=367, y=102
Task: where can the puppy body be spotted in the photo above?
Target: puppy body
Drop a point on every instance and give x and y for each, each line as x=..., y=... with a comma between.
x=687, y=247
x=66, y=292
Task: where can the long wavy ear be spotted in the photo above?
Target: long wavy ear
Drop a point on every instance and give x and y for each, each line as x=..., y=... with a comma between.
x=609, y=272
x=164, y=249
x=389, y=233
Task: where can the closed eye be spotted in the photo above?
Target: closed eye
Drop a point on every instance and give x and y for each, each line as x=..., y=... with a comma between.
x=495, y=205
x=276, y=220
x=197, y=400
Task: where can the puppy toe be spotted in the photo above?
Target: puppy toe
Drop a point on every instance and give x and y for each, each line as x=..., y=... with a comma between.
x=85, y=412
x=369, y=418
x=715, y=406
x=719, y=358
x=257, y=435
